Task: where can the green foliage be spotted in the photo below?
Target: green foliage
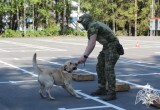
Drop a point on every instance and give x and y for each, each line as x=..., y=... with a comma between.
x=32, y=33
x=118, y=12
x=44, y=12
x=122, y=13
x=51, y=31
x=73, y=32
x=121, y=33
x=143, y=27
x=12, y=33
x=79, y=33
x=44, y=33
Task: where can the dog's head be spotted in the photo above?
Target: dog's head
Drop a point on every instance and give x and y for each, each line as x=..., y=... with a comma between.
x=70, y=66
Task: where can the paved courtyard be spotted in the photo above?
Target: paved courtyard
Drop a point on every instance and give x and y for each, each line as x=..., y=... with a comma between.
x=19, y=88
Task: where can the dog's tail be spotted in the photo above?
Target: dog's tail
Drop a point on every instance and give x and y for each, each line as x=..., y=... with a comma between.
x=37, y=70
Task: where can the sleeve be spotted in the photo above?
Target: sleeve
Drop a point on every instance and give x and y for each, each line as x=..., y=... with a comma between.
x=93, y=29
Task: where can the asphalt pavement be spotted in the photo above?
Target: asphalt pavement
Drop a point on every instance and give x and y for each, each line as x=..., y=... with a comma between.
x=19, y=88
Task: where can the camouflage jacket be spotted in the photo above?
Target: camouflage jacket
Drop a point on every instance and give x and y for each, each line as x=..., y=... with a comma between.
x=105, y=35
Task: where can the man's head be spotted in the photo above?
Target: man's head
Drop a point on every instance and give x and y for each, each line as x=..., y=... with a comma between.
x=85, y=19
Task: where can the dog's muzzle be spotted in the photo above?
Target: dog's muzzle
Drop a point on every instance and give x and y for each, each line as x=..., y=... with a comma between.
x=74, y=68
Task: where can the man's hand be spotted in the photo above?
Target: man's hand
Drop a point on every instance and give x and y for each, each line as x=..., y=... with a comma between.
x=82, y=59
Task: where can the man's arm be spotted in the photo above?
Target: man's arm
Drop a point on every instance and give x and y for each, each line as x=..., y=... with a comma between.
x=91, y=45
x=89, y=49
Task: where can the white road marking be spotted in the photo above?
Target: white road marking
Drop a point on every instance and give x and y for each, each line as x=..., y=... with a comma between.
x=157, y=52
x=25, y=71
x=99, y=45
x=123, y=61
x=15, y=82
x=89, y=97
x=25, y=58
x=13, y=66
x=16, y=58
x=31, y=46
x=71, y=43
x=23, y=51
x=134, y=84
x=143, y=41
x=84, y=70
x=137, y=61
x=134, y=63
x=139, y=74
x=145, y=47
x=2, y=50
x=84, y=108
x=95, y=99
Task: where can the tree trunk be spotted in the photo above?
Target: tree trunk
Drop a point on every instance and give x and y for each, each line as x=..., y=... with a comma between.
x=114, y=26
x=18, y=23
x=24, y=22
x=130, y=33
x=1, y=24
x=57, y=14
x=135, y=34
x=33, y=17
x=114, y=21
x=64, y=17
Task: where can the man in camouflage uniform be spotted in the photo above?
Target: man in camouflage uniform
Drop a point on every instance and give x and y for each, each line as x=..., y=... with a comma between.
x=98, y=31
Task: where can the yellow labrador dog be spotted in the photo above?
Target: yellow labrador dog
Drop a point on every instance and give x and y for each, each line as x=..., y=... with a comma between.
x=48, y=77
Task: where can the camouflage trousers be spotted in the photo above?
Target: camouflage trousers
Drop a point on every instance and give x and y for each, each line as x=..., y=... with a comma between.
x=105, y=67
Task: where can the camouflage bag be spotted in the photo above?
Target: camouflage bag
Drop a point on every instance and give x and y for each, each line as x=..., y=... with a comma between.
x=120, y=49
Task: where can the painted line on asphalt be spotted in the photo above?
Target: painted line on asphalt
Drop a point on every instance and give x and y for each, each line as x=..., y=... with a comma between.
x=98, y=100
x=2, y=50
x=90, y=97
x=71, y=43
x=15, y=82
x=147, y=47
x=157, y=52
x=99, y=45
x=93, y=107
x=137, y=85
x=56, y=63
x=148, y=74
x=143, y=41
x=129, y=62
x=138, y=64
x=31, y=46
x=134, y=84
x=23, y=70
x=85, y=108
x=123, y=61
x=25, y=58
x=23, y=51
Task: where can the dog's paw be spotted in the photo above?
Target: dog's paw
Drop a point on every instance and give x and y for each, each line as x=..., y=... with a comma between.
x=79, y=97
x=51, y=98
x=43, y=96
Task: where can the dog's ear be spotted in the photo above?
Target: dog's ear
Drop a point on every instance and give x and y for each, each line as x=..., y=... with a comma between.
x=65, y=67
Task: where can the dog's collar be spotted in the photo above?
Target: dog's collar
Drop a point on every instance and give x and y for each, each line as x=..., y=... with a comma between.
x=67, y=71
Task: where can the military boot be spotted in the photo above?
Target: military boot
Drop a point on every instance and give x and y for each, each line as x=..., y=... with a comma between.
x=100, y=91
x=110, y=96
